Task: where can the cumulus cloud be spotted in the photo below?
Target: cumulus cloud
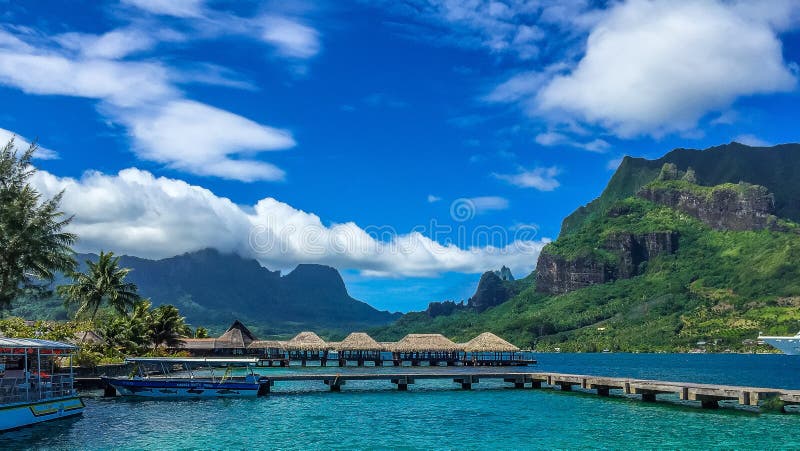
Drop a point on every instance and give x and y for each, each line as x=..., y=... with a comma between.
x=290, y=37
x=144, y=96
x=540, y=178
x=654, y=67
x=137, y=213
x=22, y=144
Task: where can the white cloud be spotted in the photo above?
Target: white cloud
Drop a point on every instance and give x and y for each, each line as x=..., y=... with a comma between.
x=551, y=138
x=432, y=198
x=176, y=8
x=290, y=37
x=485, y=204
x=655, y=67
x=200, y=139
x=751, y=140
x=165, y=126
x=22, y=144
x=113, y=45
x=135, y=213
x=540, y=178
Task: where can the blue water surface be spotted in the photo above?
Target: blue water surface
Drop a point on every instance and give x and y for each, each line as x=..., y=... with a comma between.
x=438, y=415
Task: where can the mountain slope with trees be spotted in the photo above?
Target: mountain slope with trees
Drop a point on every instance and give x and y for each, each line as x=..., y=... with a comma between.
x=671, y=264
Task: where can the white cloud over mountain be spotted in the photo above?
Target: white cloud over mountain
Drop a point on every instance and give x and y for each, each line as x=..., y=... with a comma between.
x=137, y=213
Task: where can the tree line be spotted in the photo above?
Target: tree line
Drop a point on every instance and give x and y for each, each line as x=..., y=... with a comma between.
x=36, y=247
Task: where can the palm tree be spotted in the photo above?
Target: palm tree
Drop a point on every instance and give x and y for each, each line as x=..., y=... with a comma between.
x=34, y=245
x=167, y=326
x=103, y=281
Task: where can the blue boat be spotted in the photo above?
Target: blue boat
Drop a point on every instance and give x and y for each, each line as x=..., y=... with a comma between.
x=164, y=377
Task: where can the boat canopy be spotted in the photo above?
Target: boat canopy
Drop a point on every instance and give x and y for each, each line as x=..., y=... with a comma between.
x=16, y=344
x=205, y=360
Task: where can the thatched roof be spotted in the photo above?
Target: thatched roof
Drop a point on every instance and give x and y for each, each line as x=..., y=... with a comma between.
x=86, y=336
x=198, y=343
x=425, y=343
x=359, y=341
x=237, y=336
x=306, y=341
x=489, y=342
x=267, y=344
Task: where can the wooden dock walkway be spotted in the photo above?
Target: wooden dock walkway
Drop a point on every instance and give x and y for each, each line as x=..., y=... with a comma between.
x=709, y=395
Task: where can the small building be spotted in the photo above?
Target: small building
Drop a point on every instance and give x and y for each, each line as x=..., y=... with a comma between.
x=307, y=346
x=268, y=349
x=489, y=349
x=360, y=347
x=234, y=341
x=433, y=348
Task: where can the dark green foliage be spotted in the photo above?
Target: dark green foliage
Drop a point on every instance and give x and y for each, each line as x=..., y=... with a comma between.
x=103, y=282
x=34, y=245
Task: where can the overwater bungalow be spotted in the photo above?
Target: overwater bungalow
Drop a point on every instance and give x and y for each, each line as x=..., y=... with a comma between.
x=489, y=349
x=273, y=351
x=359, y=347
x=234, y=341
x=307, y=346
x=435, y=349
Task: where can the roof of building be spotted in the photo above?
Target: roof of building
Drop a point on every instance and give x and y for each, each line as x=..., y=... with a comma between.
x=489, y=342
x=306, y=341
x=359, y=341
x=237, y=336
x=35, y=343
x=198, y=343
x=267, y=344
x=425, y=343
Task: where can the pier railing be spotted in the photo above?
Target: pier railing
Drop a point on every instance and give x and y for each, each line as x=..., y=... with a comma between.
x=17, y=390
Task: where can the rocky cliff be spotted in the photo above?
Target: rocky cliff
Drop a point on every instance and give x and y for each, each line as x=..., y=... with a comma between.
x=557, y=275
x=725, y=207
x=491, y=291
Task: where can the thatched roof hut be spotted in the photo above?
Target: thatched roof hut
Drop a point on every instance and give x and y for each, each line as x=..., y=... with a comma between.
x=425, y=343
x=198, y=344
x=237, y=336
x=306, y=341
x=358, y=341
x=489, y=342
x=267, y=344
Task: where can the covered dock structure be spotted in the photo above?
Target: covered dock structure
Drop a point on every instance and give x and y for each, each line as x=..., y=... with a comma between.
x=487, y=349
x=433, y=349
x=307, y=346
x=359, y=347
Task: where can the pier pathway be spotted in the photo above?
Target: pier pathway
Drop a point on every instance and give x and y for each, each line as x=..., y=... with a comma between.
x=709, y=395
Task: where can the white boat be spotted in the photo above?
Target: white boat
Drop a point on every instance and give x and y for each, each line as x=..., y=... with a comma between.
x=33, y=387
x=164, y=377
x=787, y=345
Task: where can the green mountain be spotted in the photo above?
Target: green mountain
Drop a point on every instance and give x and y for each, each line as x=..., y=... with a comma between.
x=698, y=246
x=776, y=168
x=212, y=289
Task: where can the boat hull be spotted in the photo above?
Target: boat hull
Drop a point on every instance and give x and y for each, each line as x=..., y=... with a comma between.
x=26, y=414
x=170, y=388
x=787, y=345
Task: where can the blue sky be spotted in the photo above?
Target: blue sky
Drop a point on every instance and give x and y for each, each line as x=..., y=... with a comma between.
x=412, y=145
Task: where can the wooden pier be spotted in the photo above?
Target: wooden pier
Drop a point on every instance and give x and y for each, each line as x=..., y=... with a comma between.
x=708, y=395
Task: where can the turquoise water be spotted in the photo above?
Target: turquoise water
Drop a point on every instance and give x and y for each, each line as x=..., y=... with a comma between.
x=437, y=415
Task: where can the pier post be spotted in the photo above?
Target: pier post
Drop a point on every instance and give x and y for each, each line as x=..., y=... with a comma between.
x=536, y=384
x=109, y=391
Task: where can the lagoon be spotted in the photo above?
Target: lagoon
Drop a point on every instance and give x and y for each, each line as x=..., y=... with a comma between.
x=438, y=415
